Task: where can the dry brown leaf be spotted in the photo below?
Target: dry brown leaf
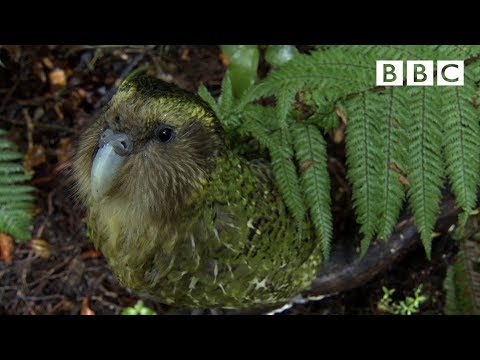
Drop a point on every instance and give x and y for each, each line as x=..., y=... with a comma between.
x=48, y=63
x=90, y=254
x=404, y=180
x=225, y=59
x=185, y=54
x=305, y=165
x=341, y=114
x=38, y=69
x=339, y=134
x=58, y=111
x=41, y=248
x=86, y=308
x=394, y=167
x=62, y=306
x=81, y=93
x=64, y=150
x=34, y=157
x=57, y=78
x=6, y=248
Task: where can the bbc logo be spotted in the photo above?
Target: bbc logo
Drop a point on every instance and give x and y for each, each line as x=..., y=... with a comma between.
x=420, y=73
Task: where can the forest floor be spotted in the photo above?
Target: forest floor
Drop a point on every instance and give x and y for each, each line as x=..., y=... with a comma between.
x=48, y=95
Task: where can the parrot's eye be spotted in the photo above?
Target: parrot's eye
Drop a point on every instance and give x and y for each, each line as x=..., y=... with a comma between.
x=165, y=133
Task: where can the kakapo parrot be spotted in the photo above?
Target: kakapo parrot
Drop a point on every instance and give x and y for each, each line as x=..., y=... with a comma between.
x=178, y=213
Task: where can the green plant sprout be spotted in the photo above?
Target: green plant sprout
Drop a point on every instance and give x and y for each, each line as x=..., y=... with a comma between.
x=409, y=306
x=138, y=309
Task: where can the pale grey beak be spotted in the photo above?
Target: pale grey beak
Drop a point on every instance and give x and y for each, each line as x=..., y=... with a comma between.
x=112, y=153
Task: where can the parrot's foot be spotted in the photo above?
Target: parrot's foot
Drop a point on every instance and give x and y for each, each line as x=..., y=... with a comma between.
x=214, y=311
x=299, y=299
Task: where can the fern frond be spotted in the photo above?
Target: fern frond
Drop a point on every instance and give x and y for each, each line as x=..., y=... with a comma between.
x=13, y=178
x=363, y=161
x=260, y=123
x=15, y=221
x=392, y=52
x=288, y=182
x=14, y=190
x=461, y=143
x=208, y=98
x=281, y=154
x=462, y=285
x=7, y=155
x=329, y=70
x=225, y=101
x=5, y=144
x=310, y=149
x=227, y=109
x=15, y=199
x=285, y=97
x=425, y=168
x=324, y=116
x=394, y=136
x=393, y=123
x=10, y=168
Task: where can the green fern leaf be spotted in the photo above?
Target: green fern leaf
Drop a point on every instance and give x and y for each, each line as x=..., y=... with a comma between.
x=462, y=282
x=286, y=177
x=208, y=98
x=280, y=149
x=15, y=199
x=425, y=168
x=225, y=101
x=393, y=121
x=310, y=149
x=9, y=168
x=285, y=97
x=461, y=143
x=394, y=136
x=10, y=155
x=13, y=178
x=14, y=190
x=324, y=116
x=329, y=71
x=260, y=123
x=363, y=160
x=15, y=222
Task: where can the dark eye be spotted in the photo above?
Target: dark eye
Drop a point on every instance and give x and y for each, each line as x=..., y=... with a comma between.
x=165, y=133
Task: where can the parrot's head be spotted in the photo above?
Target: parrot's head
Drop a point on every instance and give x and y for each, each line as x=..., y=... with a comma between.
x=150, y=150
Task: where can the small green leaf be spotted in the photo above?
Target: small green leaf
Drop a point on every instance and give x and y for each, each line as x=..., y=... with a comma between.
x=208, y=98
x=138, y=309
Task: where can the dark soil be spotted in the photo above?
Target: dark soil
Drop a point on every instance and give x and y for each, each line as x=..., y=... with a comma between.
x=63, y=273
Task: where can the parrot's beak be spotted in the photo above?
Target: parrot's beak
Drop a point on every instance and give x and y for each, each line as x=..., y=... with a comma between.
x=112, y=153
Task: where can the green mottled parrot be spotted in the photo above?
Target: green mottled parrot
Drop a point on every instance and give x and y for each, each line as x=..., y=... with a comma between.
x=178, y=214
